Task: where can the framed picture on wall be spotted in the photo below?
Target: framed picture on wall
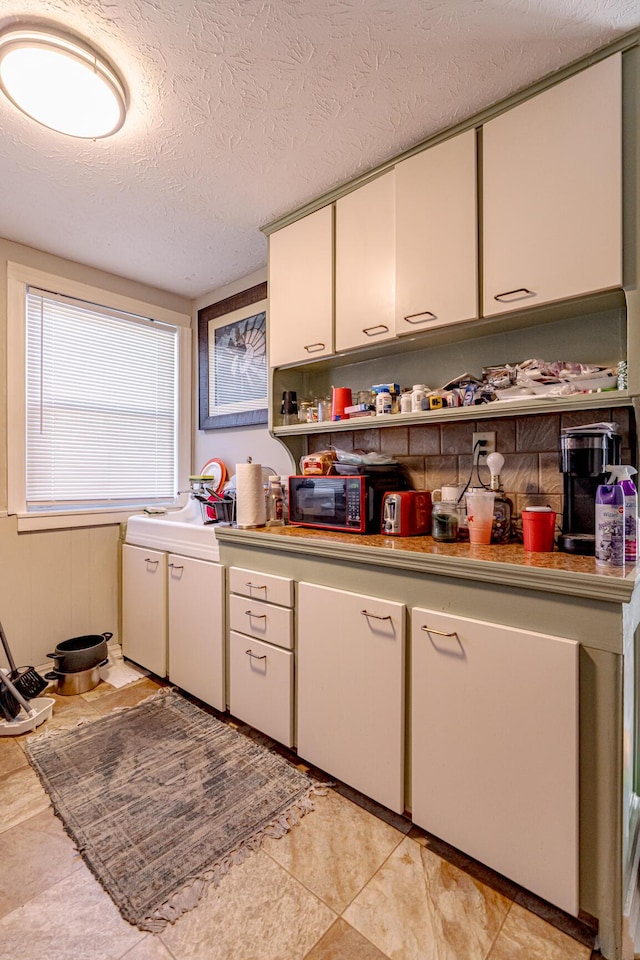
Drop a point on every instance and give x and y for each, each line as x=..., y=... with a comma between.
x=232, y=360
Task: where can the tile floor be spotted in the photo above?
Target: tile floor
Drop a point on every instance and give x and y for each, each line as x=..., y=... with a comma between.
x=351, y=881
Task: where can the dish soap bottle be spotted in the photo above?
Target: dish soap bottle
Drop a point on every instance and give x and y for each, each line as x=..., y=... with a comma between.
x=503, y=507
x=621, y=475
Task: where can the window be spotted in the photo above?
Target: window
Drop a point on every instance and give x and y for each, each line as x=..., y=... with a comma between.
x=101, y=402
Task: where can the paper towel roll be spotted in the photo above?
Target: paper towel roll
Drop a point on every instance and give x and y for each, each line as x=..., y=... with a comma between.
x=250, y=502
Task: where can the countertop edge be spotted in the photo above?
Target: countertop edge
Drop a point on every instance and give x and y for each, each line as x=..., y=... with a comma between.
x=591, y=586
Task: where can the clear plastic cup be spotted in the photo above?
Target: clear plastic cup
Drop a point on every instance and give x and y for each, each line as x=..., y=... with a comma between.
x=480, y=515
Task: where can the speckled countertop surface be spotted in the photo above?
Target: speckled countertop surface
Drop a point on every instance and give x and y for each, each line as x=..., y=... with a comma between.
x=508, y=564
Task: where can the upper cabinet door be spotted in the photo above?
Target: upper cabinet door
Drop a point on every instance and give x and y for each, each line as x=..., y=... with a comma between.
x=365, y=264
x=436, y=236
x=301, y=290
x=552, y=193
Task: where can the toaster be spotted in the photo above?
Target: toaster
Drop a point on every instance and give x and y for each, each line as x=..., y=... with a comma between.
x=406, y=513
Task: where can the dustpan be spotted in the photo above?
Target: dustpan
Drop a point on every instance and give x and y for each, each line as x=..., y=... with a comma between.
x=31, y=713
x=26, y=679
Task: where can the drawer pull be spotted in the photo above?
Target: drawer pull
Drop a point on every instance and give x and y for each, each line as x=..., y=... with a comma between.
x=254, y=656
x=524, y=294
x=439, y=633
x=177, y=566
x=423, y=317
x=255, y=616
x=314, y=347
x=150, y=560
x=374, y=616
x=376, y=330
x=255, y=586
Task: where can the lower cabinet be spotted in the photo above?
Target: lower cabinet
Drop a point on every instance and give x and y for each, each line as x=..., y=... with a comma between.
x=261, y=652
x=351, y=689
x=196, y=628
x=173, y=619
x=144, y=607
x=495, y=748
x=261, y=686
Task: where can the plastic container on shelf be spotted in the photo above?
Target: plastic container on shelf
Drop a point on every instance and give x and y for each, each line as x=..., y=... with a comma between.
x=383, y=402
x=417, y=396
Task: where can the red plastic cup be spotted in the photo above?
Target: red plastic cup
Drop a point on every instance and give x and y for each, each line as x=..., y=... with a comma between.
x=341, y=398
x=538, y=529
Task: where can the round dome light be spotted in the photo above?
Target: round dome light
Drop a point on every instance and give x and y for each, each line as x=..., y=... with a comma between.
x=61, y=82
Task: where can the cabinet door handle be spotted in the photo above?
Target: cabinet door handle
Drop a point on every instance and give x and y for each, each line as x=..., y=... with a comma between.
x=422, y=317
x=314, y=347
x=439, y=633
x=151, y=560
x=255, y=586
x=254, y=656
x=374, y=616
x=524, y=294
x=176, y=566
x=376, y=330
x=255, y=616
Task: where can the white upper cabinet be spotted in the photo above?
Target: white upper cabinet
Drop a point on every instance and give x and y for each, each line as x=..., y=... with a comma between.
x=552, y=193
x=301, y=290
x=365, y=264
x=436, y=236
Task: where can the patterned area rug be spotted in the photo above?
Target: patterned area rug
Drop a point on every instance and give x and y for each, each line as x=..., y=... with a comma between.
x=162, y=798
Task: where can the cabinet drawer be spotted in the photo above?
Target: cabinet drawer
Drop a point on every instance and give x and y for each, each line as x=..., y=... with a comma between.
x=261, y=686
x=261, y=586
x=264, y=621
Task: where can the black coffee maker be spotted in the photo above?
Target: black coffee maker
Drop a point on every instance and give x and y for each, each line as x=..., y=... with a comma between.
x=584, y=457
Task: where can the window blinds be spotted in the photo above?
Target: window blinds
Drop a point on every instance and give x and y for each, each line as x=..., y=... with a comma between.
x=102, y=398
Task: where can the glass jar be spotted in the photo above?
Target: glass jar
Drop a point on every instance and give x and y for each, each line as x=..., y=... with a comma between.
x=275, y=503
x=502, y=514
x=444, y=521
x=303, y=411
x=324, y=409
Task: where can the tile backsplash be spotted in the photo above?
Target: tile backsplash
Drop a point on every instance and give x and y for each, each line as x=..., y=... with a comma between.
x=439, y=453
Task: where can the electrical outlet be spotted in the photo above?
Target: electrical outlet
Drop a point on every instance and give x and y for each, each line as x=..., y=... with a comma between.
x=490, y=445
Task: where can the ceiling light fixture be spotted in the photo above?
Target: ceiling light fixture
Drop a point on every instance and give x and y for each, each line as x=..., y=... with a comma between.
x=60, y=81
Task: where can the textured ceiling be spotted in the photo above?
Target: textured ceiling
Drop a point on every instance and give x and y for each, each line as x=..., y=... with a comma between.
x=242, y=110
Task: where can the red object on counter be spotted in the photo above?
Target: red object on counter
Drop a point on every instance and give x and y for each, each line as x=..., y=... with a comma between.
x=406, y=513
x=538, y=529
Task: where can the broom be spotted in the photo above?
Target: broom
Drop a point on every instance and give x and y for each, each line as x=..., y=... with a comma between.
x=26, y=680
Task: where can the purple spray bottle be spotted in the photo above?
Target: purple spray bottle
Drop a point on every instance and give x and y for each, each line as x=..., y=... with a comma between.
x=610, y=524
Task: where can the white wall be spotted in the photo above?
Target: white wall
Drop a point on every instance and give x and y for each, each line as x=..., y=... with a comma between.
x=59, y=583
x=63, y=583
x=235, y=444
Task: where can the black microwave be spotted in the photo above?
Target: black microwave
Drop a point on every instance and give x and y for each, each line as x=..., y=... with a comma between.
x=348, y=503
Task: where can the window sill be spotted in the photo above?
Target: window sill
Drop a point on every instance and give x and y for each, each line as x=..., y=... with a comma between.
x=28, y=522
